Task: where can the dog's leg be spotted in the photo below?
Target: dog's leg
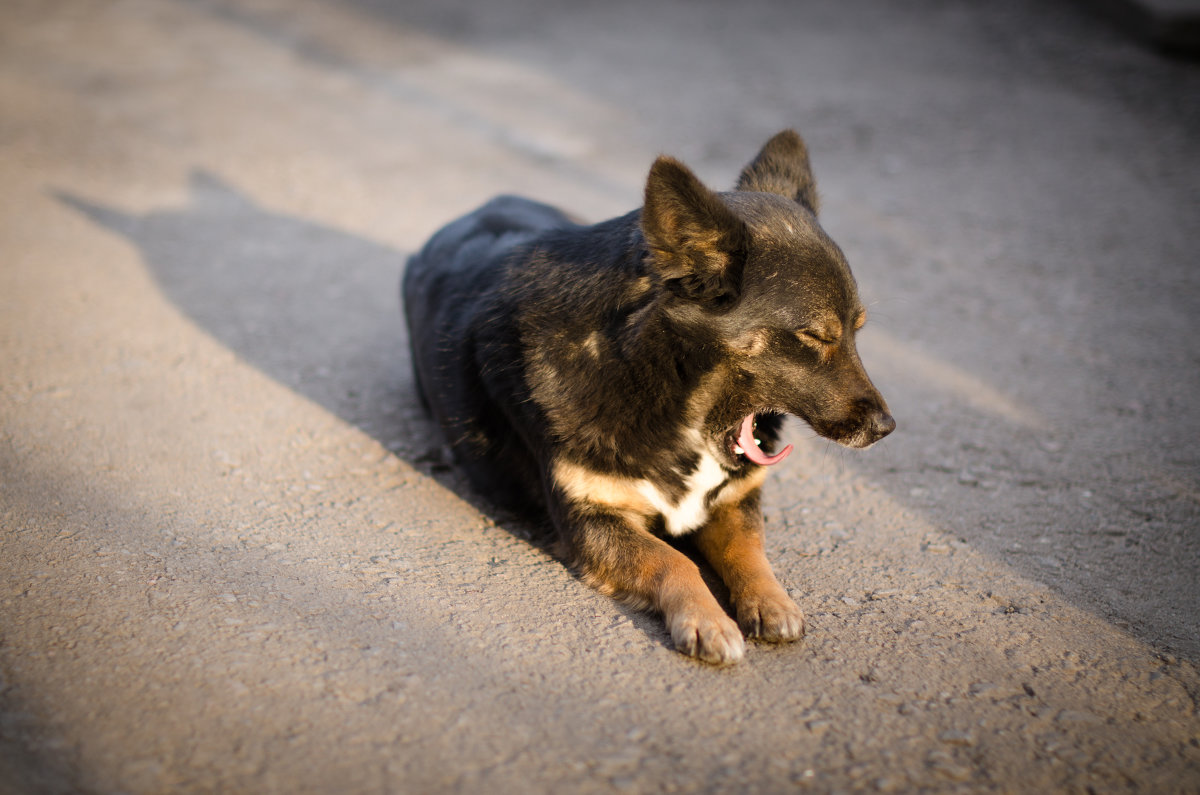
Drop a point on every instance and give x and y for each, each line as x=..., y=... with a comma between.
x=625, y=561
x=732, y=541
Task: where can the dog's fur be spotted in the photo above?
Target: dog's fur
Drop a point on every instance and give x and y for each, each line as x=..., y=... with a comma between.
x=610, y=375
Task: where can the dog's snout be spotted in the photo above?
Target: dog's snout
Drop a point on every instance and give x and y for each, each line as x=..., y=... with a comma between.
x=875, y=421
x=866, y=420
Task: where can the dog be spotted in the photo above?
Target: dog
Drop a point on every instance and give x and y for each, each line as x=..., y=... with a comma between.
x=629, y=379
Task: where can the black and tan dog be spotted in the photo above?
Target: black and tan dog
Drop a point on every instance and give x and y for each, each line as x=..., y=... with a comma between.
x=616, y=376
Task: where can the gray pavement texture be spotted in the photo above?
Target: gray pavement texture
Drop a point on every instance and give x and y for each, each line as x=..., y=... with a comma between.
x=231, y=557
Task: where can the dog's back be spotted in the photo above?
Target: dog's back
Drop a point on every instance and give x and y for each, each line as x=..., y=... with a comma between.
x=445, y=287
x=470, y=252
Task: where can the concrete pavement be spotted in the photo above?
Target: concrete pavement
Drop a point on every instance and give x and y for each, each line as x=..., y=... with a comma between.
x=233, y=561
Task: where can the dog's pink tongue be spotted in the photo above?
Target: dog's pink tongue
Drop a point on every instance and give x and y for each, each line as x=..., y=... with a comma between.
x=750, y=447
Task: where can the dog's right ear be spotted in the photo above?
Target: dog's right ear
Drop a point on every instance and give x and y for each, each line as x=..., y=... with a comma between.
x=696, y=242
x=782, y=167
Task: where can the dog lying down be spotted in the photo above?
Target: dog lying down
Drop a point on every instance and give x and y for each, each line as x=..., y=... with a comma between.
x=630, y=378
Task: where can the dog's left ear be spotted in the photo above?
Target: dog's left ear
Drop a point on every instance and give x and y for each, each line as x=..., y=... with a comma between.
x=782, y=167
x=697, y=244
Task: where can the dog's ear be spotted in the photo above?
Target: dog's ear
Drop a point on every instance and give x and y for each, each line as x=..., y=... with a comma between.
x=782, y=167
x=696, y=242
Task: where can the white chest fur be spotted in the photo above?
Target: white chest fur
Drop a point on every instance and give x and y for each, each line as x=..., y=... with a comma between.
x=691, y=510
x=641, y=499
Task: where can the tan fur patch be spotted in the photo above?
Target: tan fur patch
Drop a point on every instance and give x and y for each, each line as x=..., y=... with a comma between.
x=583, y=485
x=735, y=490
x=751, y=343
x=734, y=547
x=637, y=289
x=591, y=344
x=702, y=399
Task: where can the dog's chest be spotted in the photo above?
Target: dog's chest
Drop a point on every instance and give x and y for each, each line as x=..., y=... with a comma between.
x=684, y=504
x=682, y=514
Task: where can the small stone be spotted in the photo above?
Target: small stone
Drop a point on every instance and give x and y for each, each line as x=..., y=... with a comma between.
x=955, y=737
x=952, y=771
x=818, y=727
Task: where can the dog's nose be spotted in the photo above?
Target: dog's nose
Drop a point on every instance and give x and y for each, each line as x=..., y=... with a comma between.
x=882, y=424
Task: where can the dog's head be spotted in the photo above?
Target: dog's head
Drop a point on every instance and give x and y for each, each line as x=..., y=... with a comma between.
x=752, y=271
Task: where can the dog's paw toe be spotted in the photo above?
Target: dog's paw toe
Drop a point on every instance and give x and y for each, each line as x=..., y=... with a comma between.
x=715, y=640
x=774, y=618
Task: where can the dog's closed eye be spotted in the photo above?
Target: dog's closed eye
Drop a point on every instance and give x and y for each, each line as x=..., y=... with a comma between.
x=821, y=337
x=829, y=332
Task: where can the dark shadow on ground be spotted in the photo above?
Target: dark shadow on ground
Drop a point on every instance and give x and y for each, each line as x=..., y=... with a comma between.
x=315, y=308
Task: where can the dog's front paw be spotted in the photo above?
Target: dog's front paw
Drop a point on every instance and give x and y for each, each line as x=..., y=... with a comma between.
x=770, y=615
x=712, y=638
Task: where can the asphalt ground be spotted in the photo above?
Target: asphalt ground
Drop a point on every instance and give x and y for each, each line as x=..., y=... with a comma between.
x=233, y=558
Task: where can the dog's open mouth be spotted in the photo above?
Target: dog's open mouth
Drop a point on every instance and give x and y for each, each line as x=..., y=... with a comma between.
x=746, y=445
